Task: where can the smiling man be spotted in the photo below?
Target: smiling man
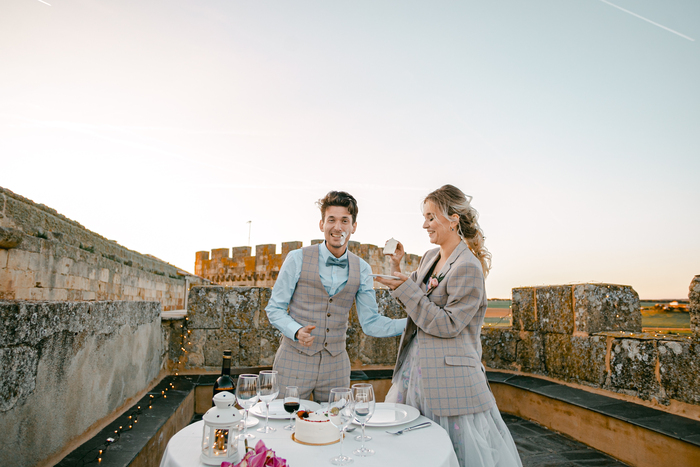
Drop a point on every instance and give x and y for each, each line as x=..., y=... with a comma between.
x=318, y=285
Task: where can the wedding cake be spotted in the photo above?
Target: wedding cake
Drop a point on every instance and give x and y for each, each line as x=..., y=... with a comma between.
x=315, y=428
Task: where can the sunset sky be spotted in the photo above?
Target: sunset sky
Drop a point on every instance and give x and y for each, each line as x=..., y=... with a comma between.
x=167, y=125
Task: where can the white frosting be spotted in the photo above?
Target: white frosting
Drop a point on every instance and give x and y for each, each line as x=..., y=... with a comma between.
x=343, y=237
x=317, y=429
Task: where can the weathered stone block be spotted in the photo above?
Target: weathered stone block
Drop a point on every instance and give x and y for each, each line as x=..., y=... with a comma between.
x=269, y=343
x=529, y=351
x=18, y=377
x=632, y=368
x=554, y=309
x=10, y=238
x=378, y=351
x=606, y=307
x=240, y=306
x=574, y=358
x=523, y=309
x=694, y=308
x=679, y=366
x=217, y=341
x=249, y=348
x=499, y=348
x=388, y=306
x=204, y=307
x=18, y=260
x=3, y=258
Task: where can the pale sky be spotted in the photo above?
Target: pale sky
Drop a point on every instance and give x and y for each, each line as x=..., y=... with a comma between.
x=167, y=125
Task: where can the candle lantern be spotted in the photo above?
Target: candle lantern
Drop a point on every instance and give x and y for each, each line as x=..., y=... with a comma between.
x=219, y=442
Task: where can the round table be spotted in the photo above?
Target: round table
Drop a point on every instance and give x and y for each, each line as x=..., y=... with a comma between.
x=429, y=446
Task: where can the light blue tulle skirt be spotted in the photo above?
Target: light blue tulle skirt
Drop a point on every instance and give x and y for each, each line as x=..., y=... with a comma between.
x=479, y=439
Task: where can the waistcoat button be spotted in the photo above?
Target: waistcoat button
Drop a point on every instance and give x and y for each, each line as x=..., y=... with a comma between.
x=329, y=314
x=330, y=300
x=326, y=344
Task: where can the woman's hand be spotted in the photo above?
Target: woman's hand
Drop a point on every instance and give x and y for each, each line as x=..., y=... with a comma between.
x=396, y=259
x=392, y=283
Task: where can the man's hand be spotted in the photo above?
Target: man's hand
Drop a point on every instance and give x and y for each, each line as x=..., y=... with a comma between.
x=304, y=336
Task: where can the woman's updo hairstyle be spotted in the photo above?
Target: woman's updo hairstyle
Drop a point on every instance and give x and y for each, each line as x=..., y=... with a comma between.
x=450, y=201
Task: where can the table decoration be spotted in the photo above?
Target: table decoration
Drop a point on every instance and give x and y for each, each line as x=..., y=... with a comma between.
x=220, y=423
x=260, y=457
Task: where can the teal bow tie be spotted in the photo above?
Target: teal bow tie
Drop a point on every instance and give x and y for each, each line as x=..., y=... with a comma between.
x=331, y=261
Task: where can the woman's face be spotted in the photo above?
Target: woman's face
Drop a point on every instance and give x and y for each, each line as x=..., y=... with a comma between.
x=437, y=225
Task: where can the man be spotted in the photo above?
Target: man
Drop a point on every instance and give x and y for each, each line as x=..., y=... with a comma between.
x=319, y=284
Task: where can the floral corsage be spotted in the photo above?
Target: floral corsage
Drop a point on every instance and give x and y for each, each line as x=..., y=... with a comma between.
x=433, y=282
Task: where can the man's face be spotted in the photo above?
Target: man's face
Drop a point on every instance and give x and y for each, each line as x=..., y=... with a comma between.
x=337, y=228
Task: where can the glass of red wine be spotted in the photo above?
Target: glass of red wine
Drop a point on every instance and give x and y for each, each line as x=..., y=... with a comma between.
x=291, y=404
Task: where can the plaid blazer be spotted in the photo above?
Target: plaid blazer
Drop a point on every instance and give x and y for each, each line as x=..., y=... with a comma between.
x=446, y=324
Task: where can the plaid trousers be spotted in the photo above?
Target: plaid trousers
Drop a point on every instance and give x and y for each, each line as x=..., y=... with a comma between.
x=314, y=374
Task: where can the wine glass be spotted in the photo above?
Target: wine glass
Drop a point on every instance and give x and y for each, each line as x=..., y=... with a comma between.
x=291, y=404
x=363, y=394
x=247, y=396
x=268, y=390
x=340, y=414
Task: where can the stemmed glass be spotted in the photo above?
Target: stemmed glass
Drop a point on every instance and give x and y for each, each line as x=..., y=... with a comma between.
x=363, y=393
x=340, y=413
x=268, y=390
x=247, y=396
x=291, y=404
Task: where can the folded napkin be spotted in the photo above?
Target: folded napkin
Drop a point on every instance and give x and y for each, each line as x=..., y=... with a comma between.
x=260, y=457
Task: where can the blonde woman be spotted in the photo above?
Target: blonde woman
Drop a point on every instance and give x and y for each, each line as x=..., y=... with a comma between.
x=439, y=368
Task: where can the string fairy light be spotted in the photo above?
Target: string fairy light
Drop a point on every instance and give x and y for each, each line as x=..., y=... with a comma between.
x=96, y=455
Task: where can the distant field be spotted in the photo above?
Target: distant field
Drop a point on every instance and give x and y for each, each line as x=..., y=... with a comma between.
x=498, y=313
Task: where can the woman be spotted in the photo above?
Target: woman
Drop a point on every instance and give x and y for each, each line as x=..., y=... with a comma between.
x=439, y=368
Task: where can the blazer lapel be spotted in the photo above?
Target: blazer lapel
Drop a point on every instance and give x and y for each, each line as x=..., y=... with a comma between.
x=426, y=267
x=459, y=249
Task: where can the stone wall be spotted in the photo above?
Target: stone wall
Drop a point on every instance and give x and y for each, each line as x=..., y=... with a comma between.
x=234, y=318
x=694, y=307
x=64, y=366
x=590, y=334
x=46, y=256
x=261, y=270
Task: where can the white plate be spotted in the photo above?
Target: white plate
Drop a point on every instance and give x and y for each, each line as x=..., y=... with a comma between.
x=387, y=414
x=385, y=276
x=250, y=421
x=277, y=409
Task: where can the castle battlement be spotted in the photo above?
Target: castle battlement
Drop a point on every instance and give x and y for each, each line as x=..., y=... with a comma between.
x=238, y=267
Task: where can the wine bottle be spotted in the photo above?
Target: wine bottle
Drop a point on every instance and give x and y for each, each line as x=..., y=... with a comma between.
x=224, y=382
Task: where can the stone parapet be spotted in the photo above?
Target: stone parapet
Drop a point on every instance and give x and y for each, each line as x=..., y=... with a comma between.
x=66, y=366
x=46, y=256
x=221, y=317
x=241, y=269
x=694, y=308
x=576, y=309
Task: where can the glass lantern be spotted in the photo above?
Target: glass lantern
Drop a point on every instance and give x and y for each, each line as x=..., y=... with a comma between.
x=219, y=441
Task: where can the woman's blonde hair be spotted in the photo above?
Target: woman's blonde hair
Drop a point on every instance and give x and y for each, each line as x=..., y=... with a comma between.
x=450, y=201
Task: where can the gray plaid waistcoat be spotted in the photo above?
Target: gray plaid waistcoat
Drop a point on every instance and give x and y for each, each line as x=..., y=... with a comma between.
x=311, y=305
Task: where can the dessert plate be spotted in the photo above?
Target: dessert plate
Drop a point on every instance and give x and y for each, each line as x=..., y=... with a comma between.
x=250, y=421
x=388, y=414
x=277, y=409
x=384, y=276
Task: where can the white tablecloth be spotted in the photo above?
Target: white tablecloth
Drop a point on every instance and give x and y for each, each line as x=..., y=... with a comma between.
x=426, y=447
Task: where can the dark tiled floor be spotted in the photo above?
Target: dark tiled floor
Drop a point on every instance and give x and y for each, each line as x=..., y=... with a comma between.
x=540, y=447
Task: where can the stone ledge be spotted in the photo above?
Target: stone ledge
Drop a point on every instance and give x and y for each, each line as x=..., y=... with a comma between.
x=673, y=426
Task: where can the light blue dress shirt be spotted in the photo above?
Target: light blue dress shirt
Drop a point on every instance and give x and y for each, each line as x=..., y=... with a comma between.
x=333, y=279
